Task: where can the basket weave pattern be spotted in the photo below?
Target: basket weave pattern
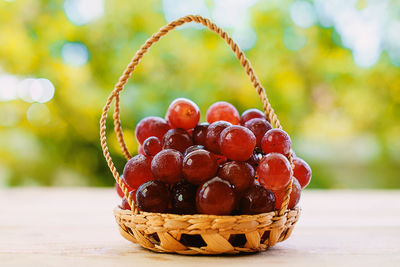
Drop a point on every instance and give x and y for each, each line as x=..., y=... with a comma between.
x=165, y=232
x=214, y=230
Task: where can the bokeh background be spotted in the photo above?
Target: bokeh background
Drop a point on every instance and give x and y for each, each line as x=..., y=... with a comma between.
x=331, y=69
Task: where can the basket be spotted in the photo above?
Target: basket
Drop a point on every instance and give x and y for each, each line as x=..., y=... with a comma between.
x=198, y=233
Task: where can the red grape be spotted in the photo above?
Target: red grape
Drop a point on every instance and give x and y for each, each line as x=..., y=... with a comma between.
x=167, y=166
x=184, y=198
x=183, y=113
x=190, y=132
x=177, y=139
x=251, y=114
x=199, y=166
x=151, y=146
x=213, y=135
x=151, y=126
x=216, y=196
x=141, y=151
x=153, y=196
x=301, y=171
x=276, y=140
x=119, y=190
x=137, y=171
x=254, y=160
x=192, y=148
x=274, y=171
x=239, y=174
x=220, y=159
x=237, y=143
x=223, y=111
x=132, y=194
x=125, y=204
x=293, y=154
x=259, y=127
x=257, y=200
x=294, y=195
x=200, y=133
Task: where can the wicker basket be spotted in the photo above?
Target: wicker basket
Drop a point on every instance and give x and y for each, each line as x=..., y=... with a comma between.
x=196, y=234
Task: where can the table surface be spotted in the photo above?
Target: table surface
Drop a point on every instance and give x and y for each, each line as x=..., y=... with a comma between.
x=65, y=226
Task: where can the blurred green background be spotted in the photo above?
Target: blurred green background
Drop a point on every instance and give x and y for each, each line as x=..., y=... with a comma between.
x=331, y=70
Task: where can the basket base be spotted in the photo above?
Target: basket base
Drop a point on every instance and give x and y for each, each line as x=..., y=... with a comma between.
x=205, y=234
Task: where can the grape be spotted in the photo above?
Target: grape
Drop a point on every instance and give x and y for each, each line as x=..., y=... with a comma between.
x=274, y=171
x=125, y=204
x=199, y=166
x=257, y=200
x=151, y=146
x=220, y=159
x=119, y=190
x=213, y=135
x=137, y=171
x=253, y=160
x=251, y=114
x=177, y=139
x=301, y=171
x=237, y=143
x=132, y=194
x=200, y=133
x=141, y=151
x=276, y=140
x=237, y=173
x=190, y=132
x=223, y=111
x=151, y=126
x=294, y=195
x=192, y=148
x=183, y=113
x=215, y=197
x=184, y=198
x=153, y=196
x=259, y=127
x=167, y=166
x=293, y=154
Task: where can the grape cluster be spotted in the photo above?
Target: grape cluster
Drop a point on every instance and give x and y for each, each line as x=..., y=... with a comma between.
x=230, y=164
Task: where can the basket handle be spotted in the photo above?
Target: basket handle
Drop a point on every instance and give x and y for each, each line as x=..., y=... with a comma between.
x=268, y=110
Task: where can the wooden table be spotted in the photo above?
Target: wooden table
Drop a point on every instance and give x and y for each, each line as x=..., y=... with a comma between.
x=75, y=227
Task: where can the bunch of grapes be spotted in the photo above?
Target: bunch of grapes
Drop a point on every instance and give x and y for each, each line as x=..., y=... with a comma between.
x=230, y=164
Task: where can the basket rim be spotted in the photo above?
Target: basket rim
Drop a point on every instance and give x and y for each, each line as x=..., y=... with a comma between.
x=275, y=214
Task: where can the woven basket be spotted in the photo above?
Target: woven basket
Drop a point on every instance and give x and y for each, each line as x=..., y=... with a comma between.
x=199, y=233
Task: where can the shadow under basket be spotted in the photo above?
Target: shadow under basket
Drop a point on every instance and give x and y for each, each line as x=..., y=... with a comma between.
x=206, y=234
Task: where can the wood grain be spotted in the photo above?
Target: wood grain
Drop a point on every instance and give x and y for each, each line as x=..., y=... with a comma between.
x=61, y=227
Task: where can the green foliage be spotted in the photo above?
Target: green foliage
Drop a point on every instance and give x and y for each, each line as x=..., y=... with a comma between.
x=343, y=119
